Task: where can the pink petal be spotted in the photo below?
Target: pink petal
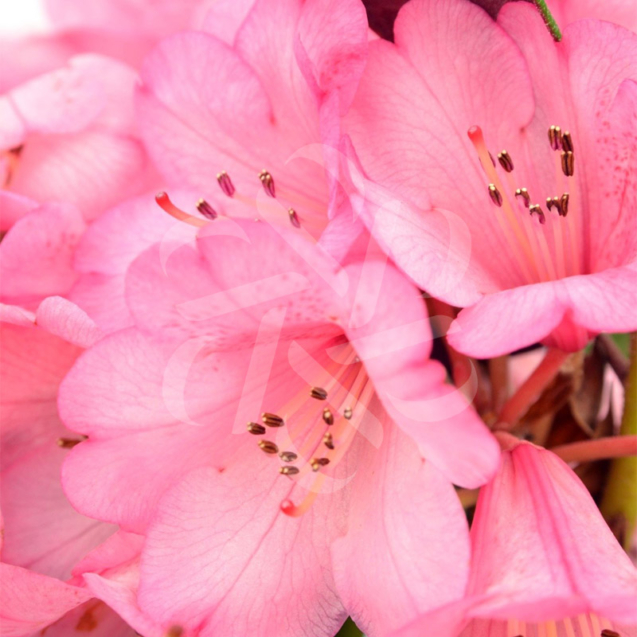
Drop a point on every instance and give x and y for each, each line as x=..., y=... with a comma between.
x=620, y=12
x=390, y=331
x=333, y=36
x=94, y=618
x=224, y=541
x=541, y=545
x=567, y=312
x=407, y=547
x=225, y=17
x=432, y=199
x=146, y=413
x=595, y=58
x=12, y=208
x=119, y=591
x=36, y=254
x=129, y=17
x=16, y=315
x=31, y=602
x=91, y=169
x=112, y=243
x=241, y=111
x=73, y=97
x=66, y=320
x=42, y=531
x=445, y=621
x=224, y=112
x=222, y=292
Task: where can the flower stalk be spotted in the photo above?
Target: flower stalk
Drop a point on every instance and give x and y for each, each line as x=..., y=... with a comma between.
x=531, y=389
x=549, y=20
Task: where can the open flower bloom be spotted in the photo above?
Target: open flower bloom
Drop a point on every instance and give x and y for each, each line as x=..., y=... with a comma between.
x=544, y=562
x=112, y=242
x=507, y=176
x=41, y=335
x=69, y=135
x=44, y=537
x=329, y=369
x=257, y=95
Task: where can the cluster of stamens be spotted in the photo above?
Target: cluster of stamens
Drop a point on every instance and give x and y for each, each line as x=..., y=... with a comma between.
x=311, y=437
x=275, y=421
x=228, y=189
x=559, y=141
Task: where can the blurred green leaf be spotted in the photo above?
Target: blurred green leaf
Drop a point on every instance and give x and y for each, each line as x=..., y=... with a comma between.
x=619, y=505
x=349, y=629
x=623, y=342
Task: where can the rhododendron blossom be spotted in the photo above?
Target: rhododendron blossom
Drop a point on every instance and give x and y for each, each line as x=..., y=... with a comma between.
x=257, y=104
x=82, y=148
x=325, y=366
x=543, y=559
x=513, y=158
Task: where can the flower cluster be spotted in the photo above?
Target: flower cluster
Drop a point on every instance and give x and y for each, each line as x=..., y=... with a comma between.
x=300, y=324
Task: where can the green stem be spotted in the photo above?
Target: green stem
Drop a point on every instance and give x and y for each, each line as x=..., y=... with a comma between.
x=549, y=20
x=349, y=629
x=619, y=504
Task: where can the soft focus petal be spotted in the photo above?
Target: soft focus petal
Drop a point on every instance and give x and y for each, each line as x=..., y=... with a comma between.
x=541, y=546
x=36, y=255
x=390, y=330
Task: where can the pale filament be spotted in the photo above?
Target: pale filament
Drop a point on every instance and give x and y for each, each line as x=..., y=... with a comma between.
x=548, y=269
x=550, y=249
x=588, y=625
x=510, y=222
x=349, y=430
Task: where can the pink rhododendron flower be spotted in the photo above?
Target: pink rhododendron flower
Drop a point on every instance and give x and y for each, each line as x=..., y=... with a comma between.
x=544, y=562
x=82, y=148
x=260, y=102
x=112, y=243
x=43, y=536
x=540, y=242
x=123, y=30
x=330, y=369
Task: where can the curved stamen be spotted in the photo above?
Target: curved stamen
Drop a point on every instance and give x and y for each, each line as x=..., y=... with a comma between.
x=164, y=202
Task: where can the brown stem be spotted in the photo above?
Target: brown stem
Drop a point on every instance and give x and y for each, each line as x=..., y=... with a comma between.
x=600, y=449
x=499, y=376
x=531, y=389
x=610, y=352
